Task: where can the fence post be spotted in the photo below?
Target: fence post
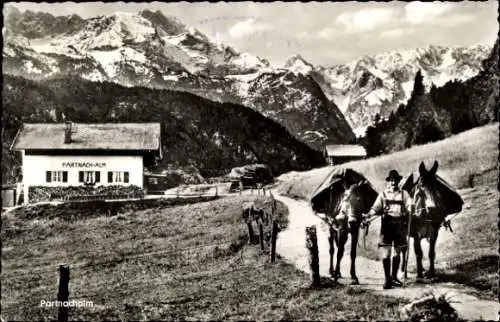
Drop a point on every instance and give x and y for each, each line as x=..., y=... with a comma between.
x=250, y=231
x=177, y=193
x=216, y=192
x=261, y=235
x=112, y=209
x=274, y=236
x=63, y=293
x=312, y=246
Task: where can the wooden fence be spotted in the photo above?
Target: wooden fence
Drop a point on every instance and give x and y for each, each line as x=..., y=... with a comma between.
x=271, y=225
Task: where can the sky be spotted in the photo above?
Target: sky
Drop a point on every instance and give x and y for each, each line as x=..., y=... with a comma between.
x=325, y=33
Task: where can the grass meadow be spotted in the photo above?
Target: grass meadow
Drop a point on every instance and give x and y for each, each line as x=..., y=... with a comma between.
x=471, y=153
x=468, y=161
x=184, y=262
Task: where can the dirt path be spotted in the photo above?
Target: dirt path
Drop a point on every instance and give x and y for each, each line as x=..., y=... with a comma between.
x=291, y=246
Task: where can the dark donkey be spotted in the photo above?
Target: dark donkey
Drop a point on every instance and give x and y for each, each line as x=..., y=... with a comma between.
x=344, y=218
x=433, y=200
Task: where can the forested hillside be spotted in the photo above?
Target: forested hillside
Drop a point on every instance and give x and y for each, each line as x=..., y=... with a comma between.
x=443, y=111
x=209, y=136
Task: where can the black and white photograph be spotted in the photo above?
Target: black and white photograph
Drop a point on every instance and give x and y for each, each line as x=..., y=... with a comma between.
x=250, y=161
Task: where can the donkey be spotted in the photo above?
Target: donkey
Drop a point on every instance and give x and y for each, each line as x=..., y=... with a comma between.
x=351, y=203
x=433, y=200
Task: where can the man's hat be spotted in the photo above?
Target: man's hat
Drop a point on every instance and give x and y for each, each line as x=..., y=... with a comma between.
x=393, y=174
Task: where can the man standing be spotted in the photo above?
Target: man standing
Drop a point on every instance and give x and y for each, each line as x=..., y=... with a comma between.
x=394, y=204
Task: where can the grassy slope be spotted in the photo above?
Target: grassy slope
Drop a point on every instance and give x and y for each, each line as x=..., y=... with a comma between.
x=471, y=152
x=234, y=282
x=469, y=255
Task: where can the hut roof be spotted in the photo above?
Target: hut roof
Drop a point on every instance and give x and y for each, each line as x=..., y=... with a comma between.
x=344, y=150
x=106, y=136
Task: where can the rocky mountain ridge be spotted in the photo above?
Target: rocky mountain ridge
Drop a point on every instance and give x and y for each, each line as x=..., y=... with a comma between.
x=152, y=50
x=378, y=84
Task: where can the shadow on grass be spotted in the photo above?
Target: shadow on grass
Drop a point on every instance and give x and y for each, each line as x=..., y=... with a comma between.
x=330, y=283
x=480, y=273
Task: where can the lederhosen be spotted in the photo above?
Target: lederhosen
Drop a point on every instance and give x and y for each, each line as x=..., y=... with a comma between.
x=393, y=229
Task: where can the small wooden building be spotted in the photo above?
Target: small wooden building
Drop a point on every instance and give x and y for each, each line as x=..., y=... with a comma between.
x=342, y=153
x=81, y=154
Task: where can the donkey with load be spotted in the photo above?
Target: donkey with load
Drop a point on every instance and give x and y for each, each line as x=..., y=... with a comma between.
x=345, y=195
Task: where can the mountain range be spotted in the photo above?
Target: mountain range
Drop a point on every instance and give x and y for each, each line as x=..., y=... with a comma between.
x=315, y=103
x=378, y=84
x=431, y=115
x=153, y=50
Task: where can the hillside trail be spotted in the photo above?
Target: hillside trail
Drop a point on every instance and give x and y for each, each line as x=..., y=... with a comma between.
x=291, y=246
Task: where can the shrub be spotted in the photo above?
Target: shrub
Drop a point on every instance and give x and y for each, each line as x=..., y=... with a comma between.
x=41, y=193
x=430, y=308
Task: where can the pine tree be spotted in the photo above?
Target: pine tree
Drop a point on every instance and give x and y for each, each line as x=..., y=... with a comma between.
x=418, y=85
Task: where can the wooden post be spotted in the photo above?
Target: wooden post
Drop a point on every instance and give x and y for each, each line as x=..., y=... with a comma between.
x=264, y=190
x=312, y=246
x=113, y=211
x=63, y=293
x=216, y=191
x=250, y=231
x=177, y=193
x=261, y=235
x=274, y=236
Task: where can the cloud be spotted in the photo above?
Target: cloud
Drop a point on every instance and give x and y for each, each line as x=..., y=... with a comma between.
x=327, y=33
x=364, y=20
x=303, y=35
x=392, y=33
x=459, y=19
x=248, y=27
x=423, y=12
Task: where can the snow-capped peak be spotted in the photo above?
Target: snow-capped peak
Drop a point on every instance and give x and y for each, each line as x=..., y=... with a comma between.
x=111, y=31
x=298, y=65
x=247, y=60
x=379, y=83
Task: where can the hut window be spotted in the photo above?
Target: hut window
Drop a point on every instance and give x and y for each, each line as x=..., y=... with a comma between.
x=56, y=176
x=118, y=176
x=89, y=176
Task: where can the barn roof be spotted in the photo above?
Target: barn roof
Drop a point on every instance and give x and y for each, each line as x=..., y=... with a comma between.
x=341, y=150
x=84, y=136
